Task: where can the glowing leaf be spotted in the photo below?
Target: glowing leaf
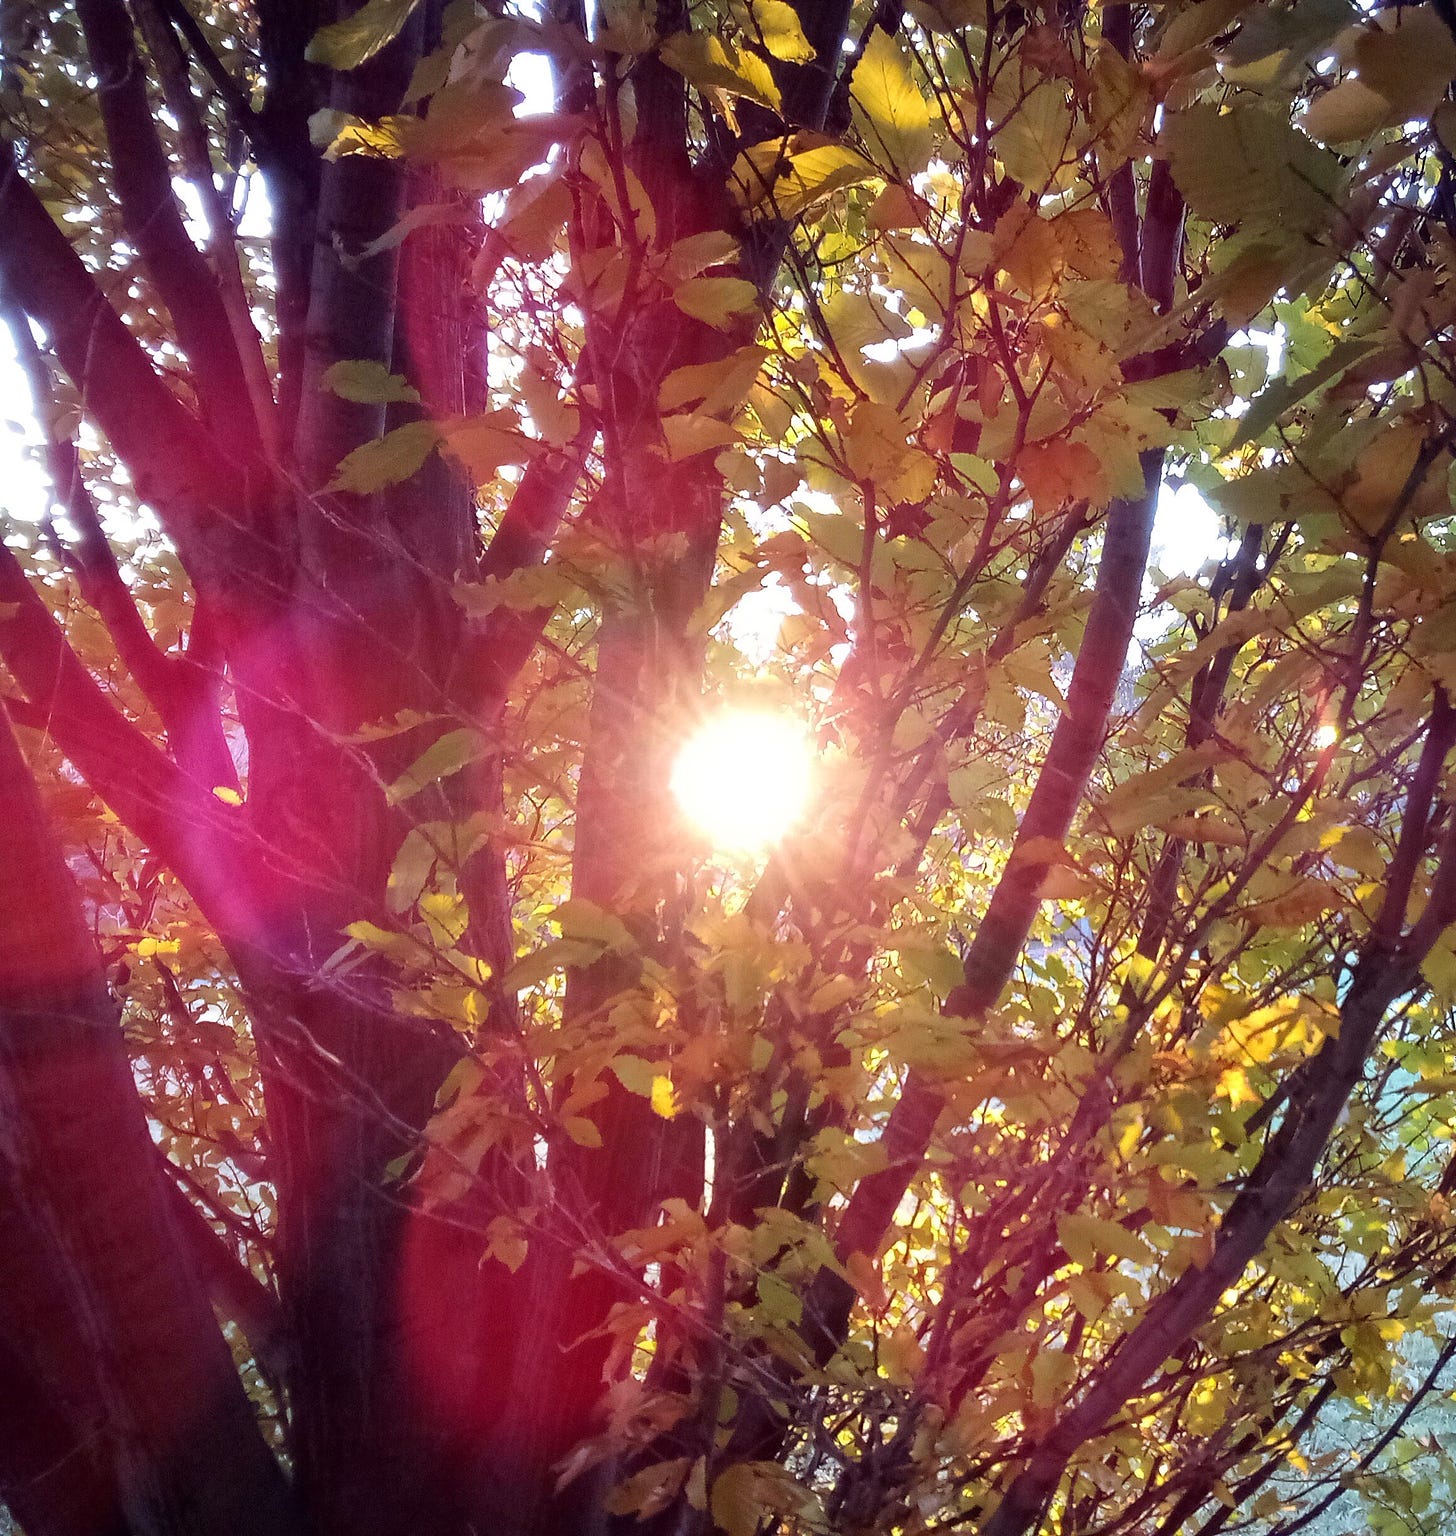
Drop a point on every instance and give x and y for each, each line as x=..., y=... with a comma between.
x=368, y=382
x=889, y=106
x=702, y=60
x=716, y=301
x=357, y=38
x=664, y=1098
x=777, y=22
x=387, y=460
x=442, y=758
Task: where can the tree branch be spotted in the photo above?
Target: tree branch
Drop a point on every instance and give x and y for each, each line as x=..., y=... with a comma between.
x=153, y=221
x=177, y=688
x=222, y=243
x=1318, y=1095
x=84, y=1192
x=180, y=820
x=172, y=462
x=234, y=94
x=1059, y=787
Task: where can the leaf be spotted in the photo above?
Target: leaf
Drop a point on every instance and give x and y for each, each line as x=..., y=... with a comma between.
x=743, y=1494
x=1407, y=55
x=764, y=179
x=706, y=62
x=356, y=39
x=388, y=460
x=649, y=1490
x=889, y=106
x=716, y=301
x=585, y=920
x=1034, y=142
x=777, y=22
x=663, y=1098
x=399, y=947
x=505, y=1241
x=369, y=383
x=1121, y=101
x=340, y=134
x=635, y=1075
x=1348, y=112
x=1086, y=1238
x=717, y=388
x=1234, y=1085
x=1283, y=394
x=483, y=443
x=558, y=955
x=1249, y=166
x=443, y=758
x=687, y=436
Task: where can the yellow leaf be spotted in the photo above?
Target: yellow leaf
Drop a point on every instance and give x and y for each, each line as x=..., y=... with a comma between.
x=892, y=113
x=1052, y=1372
x=1033, y=143
x=686, y=436
x=716, y=301
x=664, y=1098
x=901, y=1355
x=777, y=22
x=356, y=39
x=1087, y=1237
x=702, y=60
x=1234, y=1085
x=762, y=177
x=717, y=387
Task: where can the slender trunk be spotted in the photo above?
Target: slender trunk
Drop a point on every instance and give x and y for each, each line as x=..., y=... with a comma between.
x=179, y=1433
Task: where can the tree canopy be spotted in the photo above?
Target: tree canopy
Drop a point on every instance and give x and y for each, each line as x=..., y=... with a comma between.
x=412, y=1120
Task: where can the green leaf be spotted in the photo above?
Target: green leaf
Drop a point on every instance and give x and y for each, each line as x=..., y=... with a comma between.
x=388, y=460
x=1284, y=394
x=368, y=383
x=356, y=39
x=635, y=1074
x=1249, y=166
x=442, y=758
x=888, y=104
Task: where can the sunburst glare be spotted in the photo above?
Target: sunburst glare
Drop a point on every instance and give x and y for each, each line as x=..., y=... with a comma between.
x=743, y=778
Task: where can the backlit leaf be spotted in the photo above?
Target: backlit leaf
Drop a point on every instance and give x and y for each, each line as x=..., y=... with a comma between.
x=354, y=40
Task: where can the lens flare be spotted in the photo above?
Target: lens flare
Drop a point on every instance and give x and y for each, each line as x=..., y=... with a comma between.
x=743, y=778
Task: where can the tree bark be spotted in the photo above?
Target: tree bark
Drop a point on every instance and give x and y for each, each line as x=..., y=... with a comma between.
x=94, y=1239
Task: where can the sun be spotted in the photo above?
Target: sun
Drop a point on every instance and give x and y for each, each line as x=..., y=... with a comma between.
x=743, y=778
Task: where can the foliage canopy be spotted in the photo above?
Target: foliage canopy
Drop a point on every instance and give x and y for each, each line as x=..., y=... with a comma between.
x=408, y=1122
